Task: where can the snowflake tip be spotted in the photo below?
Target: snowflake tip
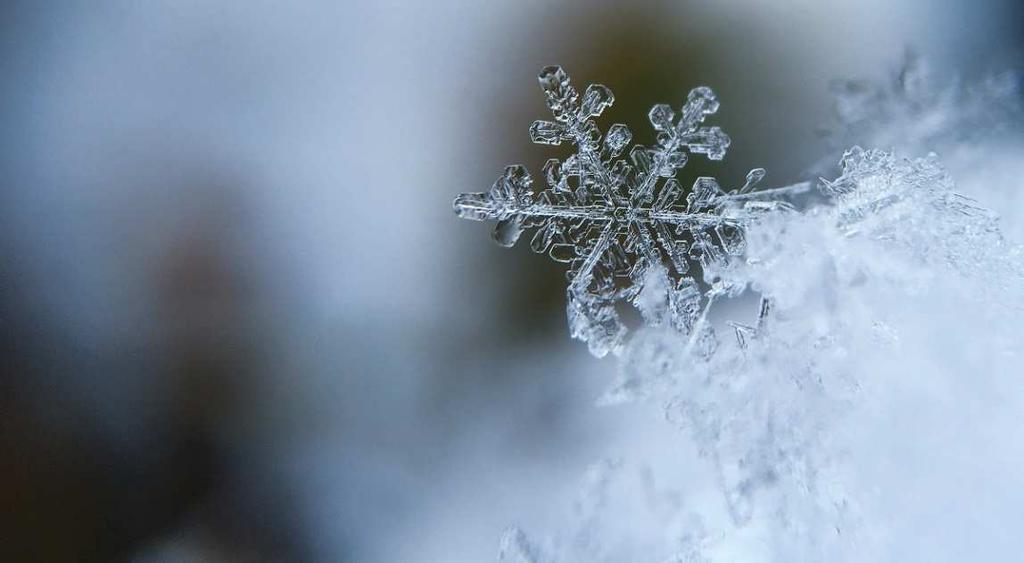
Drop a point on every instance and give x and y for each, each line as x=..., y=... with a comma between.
x=661, y=117
x=617, y=138
x=474, y=206
x=754, y=177
x=700, y=102
x=596, y=99
x=560, y=93
x=546, y=132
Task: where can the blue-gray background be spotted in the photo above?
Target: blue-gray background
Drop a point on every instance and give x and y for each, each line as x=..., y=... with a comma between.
x=239, y=320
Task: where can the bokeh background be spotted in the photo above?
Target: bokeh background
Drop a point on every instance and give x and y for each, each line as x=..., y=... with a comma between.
x=239, y=319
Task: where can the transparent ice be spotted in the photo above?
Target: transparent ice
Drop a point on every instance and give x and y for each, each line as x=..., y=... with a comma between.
x=623, y=223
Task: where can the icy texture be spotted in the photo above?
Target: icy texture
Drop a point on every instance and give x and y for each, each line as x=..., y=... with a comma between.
x=623, y=223
x=614, y=493
x=976, y=126
x=870, y=317
x=917, y=111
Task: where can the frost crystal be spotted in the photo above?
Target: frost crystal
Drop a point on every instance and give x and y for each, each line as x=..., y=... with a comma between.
x=623, y=224
x=975, y=125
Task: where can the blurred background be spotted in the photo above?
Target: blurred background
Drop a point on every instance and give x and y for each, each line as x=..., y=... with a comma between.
x=239, y=319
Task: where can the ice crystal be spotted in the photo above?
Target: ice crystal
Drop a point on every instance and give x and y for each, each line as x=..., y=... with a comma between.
x=975, y=125
x=623, y=224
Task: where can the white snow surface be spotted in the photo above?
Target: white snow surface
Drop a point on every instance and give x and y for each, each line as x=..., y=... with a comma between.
x=872, y=416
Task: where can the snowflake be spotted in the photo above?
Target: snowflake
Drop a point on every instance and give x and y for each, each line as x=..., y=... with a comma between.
x=622, y=224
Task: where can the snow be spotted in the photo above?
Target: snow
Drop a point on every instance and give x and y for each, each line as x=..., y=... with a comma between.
x=868, y=409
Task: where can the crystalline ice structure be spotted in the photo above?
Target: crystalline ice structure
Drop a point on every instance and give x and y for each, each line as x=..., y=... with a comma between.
x=614, y=220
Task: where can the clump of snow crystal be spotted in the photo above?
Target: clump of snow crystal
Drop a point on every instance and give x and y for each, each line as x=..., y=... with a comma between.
x=975, y=126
